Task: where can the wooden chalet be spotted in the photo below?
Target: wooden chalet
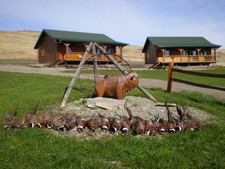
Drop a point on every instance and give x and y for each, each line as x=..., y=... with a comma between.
x=57, y=47
x=180, y=50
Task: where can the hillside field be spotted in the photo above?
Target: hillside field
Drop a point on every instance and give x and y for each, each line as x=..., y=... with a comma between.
x=18, y=46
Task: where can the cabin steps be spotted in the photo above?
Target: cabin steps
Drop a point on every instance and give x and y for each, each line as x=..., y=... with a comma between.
x=155, y=65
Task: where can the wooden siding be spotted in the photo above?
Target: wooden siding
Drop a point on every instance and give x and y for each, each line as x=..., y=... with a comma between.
x=155, y=55
x=50, y=51
x=151, y=55
x=47, y=51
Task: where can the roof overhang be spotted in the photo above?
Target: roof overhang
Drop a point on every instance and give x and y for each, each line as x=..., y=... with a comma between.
x=77, y=37
x=178, y=42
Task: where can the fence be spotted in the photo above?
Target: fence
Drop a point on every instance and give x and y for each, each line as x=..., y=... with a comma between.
x=171, y=69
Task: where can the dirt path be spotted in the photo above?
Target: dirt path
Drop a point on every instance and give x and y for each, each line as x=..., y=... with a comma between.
x=150, y=83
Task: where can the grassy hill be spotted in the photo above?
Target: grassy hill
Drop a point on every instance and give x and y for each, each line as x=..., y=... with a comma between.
x=18, y=46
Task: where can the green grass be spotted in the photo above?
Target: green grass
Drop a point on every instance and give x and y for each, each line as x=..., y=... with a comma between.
x=39, y=148
x=163, y=75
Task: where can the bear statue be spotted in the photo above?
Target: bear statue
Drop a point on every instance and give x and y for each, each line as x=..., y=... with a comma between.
x=117, y=86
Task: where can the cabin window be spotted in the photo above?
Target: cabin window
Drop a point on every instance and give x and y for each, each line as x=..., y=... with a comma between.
x=166, y=53
x=69, y=49
x=203, y=52
x=42, y=52
x=194, y=53
x=109, y=50
x=185, y=52
x=99, y=53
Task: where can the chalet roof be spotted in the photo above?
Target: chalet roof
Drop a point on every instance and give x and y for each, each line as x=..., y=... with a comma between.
x=79, y=37
x=181, y=42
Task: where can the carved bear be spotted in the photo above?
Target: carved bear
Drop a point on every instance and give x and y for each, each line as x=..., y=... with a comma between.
x=117, y=86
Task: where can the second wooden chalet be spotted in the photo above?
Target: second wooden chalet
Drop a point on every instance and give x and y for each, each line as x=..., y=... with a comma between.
x=55, y=47
x=180, y=50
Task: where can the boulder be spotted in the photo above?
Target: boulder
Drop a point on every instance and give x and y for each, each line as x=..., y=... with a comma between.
x=104, y=103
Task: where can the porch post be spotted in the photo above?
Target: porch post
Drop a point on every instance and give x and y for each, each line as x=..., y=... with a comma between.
x=163, y=52
x=199, y=49
x=215, y=55
x=77, y=73
x=181, y=50
x=67, y=45
x=121, y=51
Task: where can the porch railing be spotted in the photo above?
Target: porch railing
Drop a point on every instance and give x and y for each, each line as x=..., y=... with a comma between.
x=77, y=56
x=188, y=58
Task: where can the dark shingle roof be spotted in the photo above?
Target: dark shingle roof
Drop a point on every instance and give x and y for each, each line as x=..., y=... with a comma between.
x=79, y=37
x=182, y=42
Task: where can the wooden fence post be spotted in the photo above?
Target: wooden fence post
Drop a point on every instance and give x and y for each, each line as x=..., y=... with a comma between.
x=170, y=75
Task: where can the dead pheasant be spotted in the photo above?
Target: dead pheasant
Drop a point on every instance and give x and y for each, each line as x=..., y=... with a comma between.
x=44, y=119
x=138, y=127
x=160, y=124
x=58, y=122
x=150, y=128
x=20, y=122
x=171, y=122
x=136, y=122
x=197, y=125
x=115, y=124
x=94, y=123
x=187, y=122
x=125, y=124
x=105, y=124
x=30, y=116
x=81, y=124
x=71, y=122
x=183, y=119
x=9, y=120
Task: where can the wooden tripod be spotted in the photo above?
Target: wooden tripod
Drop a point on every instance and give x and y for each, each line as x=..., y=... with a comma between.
x=92, y=48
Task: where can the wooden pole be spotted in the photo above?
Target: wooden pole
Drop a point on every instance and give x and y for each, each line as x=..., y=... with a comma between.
x=181, y=52
x=69, y=89
x=95, y=64
x=214, y=50
x=199, y=49
x=170, y=75
x=111, y=59
x=67, y=46
x=124, y=72
x=163, y=53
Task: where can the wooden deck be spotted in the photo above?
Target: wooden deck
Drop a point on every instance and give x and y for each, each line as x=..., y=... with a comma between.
x=77, y=56
x=187, y=59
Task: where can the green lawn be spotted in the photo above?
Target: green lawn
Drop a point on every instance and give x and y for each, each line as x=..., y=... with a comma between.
x=163, y=75
x=39, y=148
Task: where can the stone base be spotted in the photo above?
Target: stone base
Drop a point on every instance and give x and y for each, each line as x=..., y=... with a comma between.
x=104, y=103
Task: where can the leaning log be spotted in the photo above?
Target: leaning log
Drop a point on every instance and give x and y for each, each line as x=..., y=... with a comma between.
x=77, y=73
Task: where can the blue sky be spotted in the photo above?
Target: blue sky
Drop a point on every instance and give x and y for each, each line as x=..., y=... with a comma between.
x=129, y=21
